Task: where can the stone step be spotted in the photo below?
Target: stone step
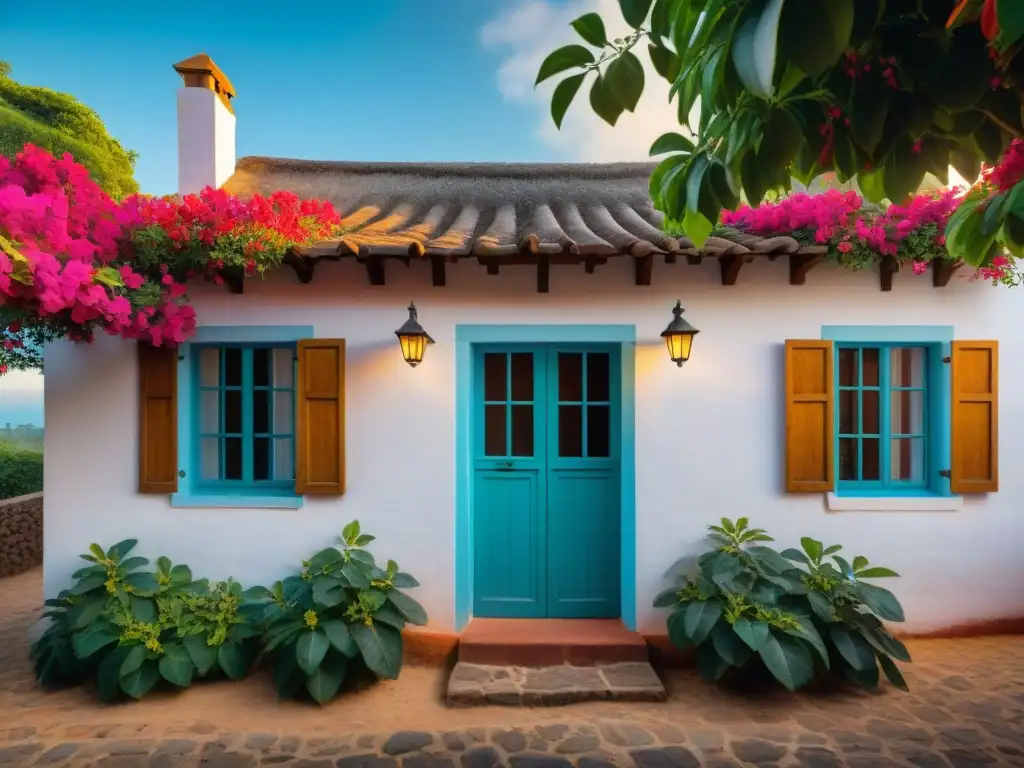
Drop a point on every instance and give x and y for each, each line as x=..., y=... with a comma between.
x=474, y=685
x=550, y=642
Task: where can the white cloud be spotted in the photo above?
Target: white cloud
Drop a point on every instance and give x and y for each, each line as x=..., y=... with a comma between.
x=527, y=31
x=21, y=383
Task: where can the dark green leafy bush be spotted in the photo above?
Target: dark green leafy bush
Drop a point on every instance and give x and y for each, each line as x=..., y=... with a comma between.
x=341, y=611
x=21, y=471
x=748, y=606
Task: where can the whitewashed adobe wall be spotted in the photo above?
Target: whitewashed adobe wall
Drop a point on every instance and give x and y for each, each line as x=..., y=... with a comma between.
x=709, y=436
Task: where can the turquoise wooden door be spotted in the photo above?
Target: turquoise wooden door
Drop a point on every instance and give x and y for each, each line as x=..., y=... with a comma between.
x=546, y=515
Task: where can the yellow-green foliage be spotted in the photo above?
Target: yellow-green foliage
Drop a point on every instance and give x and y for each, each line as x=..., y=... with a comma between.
x=59, y=123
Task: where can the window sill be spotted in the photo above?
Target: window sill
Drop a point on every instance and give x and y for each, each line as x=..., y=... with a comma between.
x=923, y=503
x=236, y=501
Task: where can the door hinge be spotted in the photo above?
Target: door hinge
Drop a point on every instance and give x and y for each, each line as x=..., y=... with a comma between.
x=947, y=360
x=945, y=473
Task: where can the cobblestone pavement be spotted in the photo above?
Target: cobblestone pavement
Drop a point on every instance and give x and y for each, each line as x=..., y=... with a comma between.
x=965, y=708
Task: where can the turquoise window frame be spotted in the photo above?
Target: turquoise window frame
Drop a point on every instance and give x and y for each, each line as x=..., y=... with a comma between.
x=241, y=494
x=937, y=342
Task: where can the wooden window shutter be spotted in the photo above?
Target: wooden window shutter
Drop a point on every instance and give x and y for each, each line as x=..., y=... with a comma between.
x=320, y=417
x=158, y=419
x=809, y=416
x=975, y=417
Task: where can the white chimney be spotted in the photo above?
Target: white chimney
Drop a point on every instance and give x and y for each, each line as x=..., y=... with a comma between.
x=206, y=125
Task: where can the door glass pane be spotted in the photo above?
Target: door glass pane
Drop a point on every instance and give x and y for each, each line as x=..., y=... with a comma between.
x=233, y=411
x=598, y=377
x=598, y=431
x=209, y=367
x=870, y=458
x=848, y=368
x=261, y=367
x=209, y=411
x=233, y=367
x=522, y=376
x=261, y=458
x=570, y=378
x=848, y=458
x=907, y=459
x=869, y=412
x=261, y=411
x=906, y=366
x=869, y=363
x=522, y=429
x=495, y=377
x=209, y=458
x=907, y=412
x=495, y=441
x=284, y=461
x=284, y=360
x=848, y=424
x=233, y=458
x=570, y=430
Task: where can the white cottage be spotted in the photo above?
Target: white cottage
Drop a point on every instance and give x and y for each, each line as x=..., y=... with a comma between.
x=547, y=459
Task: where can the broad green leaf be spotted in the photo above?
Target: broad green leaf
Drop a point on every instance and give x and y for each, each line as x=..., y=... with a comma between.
x=381, y=648
x=769, y=559
x=876, y=572
x=339, y=636
x=1010, y=16
x=603, y=101
x=88, y=584
x=564, y=93
x=635, y=11
x=806, y=631
x=176, y=666
x=671, y=142
x=881, y=601
x=665, y=62
x=97, y=553
x=141, y=681
x=672, y=193
x=144, y=610
x=404, y=581
x=821, y=606
x=121, y=549
x=108, y=674
x=324, y=684
x=97, y=636
x=203, y=656
x=852, y=647
x=710, y=664
x=795, y=555
x=231, y=660
x=143, y=583
x=844, y=566
x=872, y=184
x=754, y=184
x=866, y=679
x=695, y=183
x=729, y=646
x=327, y=591
x=132, y=563
x=390, y=616
x=788, y=660
x=699, y=618
x=814, y=34
x=661, y=19
x=754, y=50
x=677, y=634
x=133, y=660
x=324, y=558
x=812, y=547
x=590, y=27
x=566, y=57
x=870, y=107
x=753, y=633
x=310, y=650
x=667, y=598
x=904, y=172
x=885, y=643
x=288, y=678
x=356, y=575
x=892, y=672
x=409, y=608
x=697, y=228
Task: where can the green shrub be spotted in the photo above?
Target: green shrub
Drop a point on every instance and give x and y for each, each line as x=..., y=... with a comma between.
x=341, y=611
x=748, y=606
x=21, y=471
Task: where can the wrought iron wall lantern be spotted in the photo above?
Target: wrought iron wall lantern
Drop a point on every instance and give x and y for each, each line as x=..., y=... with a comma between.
x=413, y=338
x=678, y=336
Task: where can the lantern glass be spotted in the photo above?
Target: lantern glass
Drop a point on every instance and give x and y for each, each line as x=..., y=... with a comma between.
x=413, y=348
x=679, y=345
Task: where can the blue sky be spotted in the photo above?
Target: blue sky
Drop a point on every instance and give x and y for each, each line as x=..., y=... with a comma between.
x=415, y=80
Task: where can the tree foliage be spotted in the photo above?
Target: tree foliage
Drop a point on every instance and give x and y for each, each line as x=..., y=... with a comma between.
x=59, y=123
x=769, y=90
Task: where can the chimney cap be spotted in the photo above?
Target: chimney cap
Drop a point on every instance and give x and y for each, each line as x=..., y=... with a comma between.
x=201, y=64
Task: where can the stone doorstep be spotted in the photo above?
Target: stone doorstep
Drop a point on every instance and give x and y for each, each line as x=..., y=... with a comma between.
x=475, y=685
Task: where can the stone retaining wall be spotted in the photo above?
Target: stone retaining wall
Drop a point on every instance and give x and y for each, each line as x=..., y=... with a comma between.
x=21, y=533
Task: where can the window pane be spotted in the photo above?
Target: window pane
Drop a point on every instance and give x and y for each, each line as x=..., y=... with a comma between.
x=284, y=459
x=209, y=411
x=233, y=367
x=598, y=377
x=869, y=362
x=209, y=367
x=495, y=442
x=848, y=424
x=284, y=413
x=495, y=375
x=284, y=363
x=233, y=411
x=907, y=459
x=522, y=429
x=598, y=431
x=869, y=412
x=233, y=458
x=906, y=366
x=848, y=368
x=261, y=367
x=870, y=458
x=848, y=458
x=570, y=430
x=570, y=377
x=209, y=458
x=261, y=411
x=522, y=376
x=907, y=411
x=261, y=458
